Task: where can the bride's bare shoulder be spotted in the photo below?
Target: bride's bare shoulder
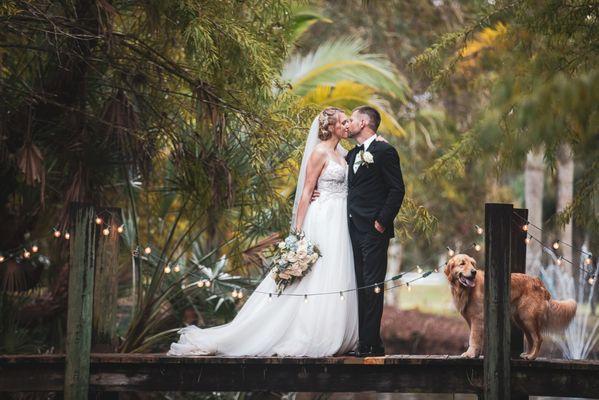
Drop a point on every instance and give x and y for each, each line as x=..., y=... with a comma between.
x=320, y=151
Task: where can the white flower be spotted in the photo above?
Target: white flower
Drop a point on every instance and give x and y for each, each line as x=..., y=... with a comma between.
x=291, y=257
x=301, y=254
x=368, y=157
x=281, y=245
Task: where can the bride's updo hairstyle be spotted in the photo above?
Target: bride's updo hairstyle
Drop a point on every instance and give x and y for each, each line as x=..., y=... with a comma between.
x=326, y=121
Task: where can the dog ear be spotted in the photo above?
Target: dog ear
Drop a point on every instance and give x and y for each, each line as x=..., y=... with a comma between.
x=449, y=265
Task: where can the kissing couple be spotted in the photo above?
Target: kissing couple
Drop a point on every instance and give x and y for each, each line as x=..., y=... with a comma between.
x=345, y=203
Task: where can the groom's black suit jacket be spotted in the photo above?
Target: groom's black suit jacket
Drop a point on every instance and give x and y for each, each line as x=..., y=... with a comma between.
x=376, y=191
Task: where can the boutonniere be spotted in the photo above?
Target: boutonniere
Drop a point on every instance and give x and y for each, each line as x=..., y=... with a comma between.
x=366, y=158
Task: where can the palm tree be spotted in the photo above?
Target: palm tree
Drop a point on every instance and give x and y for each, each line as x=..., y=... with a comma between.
x=340, y=73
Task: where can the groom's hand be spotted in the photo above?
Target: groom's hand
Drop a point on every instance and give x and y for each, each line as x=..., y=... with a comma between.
x=315, y=195
x=379, y=227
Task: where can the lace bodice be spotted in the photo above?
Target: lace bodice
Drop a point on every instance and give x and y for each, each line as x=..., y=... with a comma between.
x=333, y=180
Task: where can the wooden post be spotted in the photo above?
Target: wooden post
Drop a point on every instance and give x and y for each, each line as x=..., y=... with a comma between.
x=80, y=299
x=104, y=339
x=518, y=265
x=498, y=233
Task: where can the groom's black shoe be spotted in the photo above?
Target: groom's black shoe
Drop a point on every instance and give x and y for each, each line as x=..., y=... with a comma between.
x=373, y=351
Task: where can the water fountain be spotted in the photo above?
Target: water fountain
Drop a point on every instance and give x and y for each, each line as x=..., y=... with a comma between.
x=583, y=334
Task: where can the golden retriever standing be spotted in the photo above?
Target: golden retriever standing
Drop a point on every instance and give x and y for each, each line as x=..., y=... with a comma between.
x=531, y=306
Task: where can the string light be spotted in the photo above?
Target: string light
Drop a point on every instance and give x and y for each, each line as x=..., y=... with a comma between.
x=479, y=230
x=556, y=244
x=200, y=283
x=34, y=248
x=240, y=294
x=67, y=236
x=56, y=233
x=377, y=289
x=305, y=298
x=167, y=269
x=559, y=260
x=177, y=268
x=270, y=297
x=418, y=269
x=450, y=252
x=527, y=240
x=525, y=227
x=592, y=280
x=588, y=260
x=1, y=259
x=120, y=229
x=477, y=247
x=341, y=296
x=99, y=221
x=207, y=283
x=234, y=294
x=105, y=232
x=147, y=250
x=26, y=254
x=408, y=286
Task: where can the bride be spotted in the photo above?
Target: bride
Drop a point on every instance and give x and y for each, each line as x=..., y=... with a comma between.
x=317, y=325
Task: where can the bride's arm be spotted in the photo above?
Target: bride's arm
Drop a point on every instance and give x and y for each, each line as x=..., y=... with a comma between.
x=313, y=169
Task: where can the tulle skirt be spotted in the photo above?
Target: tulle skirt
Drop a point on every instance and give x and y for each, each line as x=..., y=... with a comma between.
x=325, y=325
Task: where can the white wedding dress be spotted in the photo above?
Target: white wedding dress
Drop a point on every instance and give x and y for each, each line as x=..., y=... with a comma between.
x=325, y=325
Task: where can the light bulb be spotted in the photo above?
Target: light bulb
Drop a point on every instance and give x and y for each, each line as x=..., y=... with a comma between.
x=34, y=248
x=591, y=280
x=98, y=220
x=305, y=298
x=409, y=287
x=57, y=234
x=120, y=229
x=147, y=250
x=377, y=289
x=167, y=269
x=418, y=269
x=177, y=268
x=182, y=286
x=270, y=297
x=207, y=283
x=556, y=245
x=105, y=232
x=26, y=254
x=479, y=230
x=200, y=283
x=588, y=260
x=1, y=259
x=436, y=270
x=477, y=247
x=234, y=294
x=559, y=261
x=527, y=240
x=525, y=227
x=240, y=294
x=450, y=252
x=341, y=296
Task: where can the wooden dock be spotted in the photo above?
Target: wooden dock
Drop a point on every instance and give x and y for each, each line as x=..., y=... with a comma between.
x=401, y=373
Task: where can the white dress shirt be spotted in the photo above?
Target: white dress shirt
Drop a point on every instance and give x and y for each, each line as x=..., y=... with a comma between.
x=358, y=159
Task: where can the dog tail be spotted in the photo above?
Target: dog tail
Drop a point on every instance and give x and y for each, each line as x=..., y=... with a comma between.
x=559, y=315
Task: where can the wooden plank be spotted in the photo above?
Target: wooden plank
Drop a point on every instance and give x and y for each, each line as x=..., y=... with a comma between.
x=104, y=338
x=518, y=265
x=80, y=299
x=420, y=374
x=498, y=225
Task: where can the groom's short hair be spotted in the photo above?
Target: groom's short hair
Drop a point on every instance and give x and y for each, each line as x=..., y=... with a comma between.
x=373, y=116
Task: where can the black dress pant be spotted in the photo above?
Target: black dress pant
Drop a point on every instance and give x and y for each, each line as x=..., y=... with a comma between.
x=370, y=262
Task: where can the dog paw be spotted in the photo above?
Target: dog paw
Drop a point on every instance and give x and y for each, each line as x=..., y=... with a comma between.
x=469, y=354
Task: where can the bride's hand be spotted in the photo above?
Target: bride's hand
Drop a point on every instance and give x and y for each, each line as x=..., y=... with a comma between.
x=315, y=195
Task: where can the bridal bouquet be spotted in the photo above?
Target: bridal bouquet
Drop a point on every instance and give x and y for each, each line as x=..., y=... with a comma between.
x=293, y=259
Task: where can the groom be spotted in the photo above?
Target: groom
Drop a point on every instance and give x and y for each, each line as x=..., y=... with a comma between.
x=376, y=191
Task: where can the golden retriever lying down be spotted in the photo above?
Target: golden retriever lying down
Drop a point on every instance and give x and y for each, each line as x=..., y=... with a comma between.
x=531, y=306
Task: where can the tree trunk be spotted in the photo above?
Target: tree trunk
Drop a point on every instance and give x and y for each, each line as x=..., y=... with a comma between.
x=565, y=189
x=394, y=267
x=534, y=176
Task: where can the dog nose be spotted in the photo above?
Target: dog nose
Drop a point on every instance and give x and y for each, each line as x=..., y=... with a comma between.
x=473, y=272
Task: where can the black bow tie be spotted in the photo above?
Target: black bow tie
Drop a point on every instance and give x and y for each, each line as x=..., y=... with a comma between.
x=360, y=147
